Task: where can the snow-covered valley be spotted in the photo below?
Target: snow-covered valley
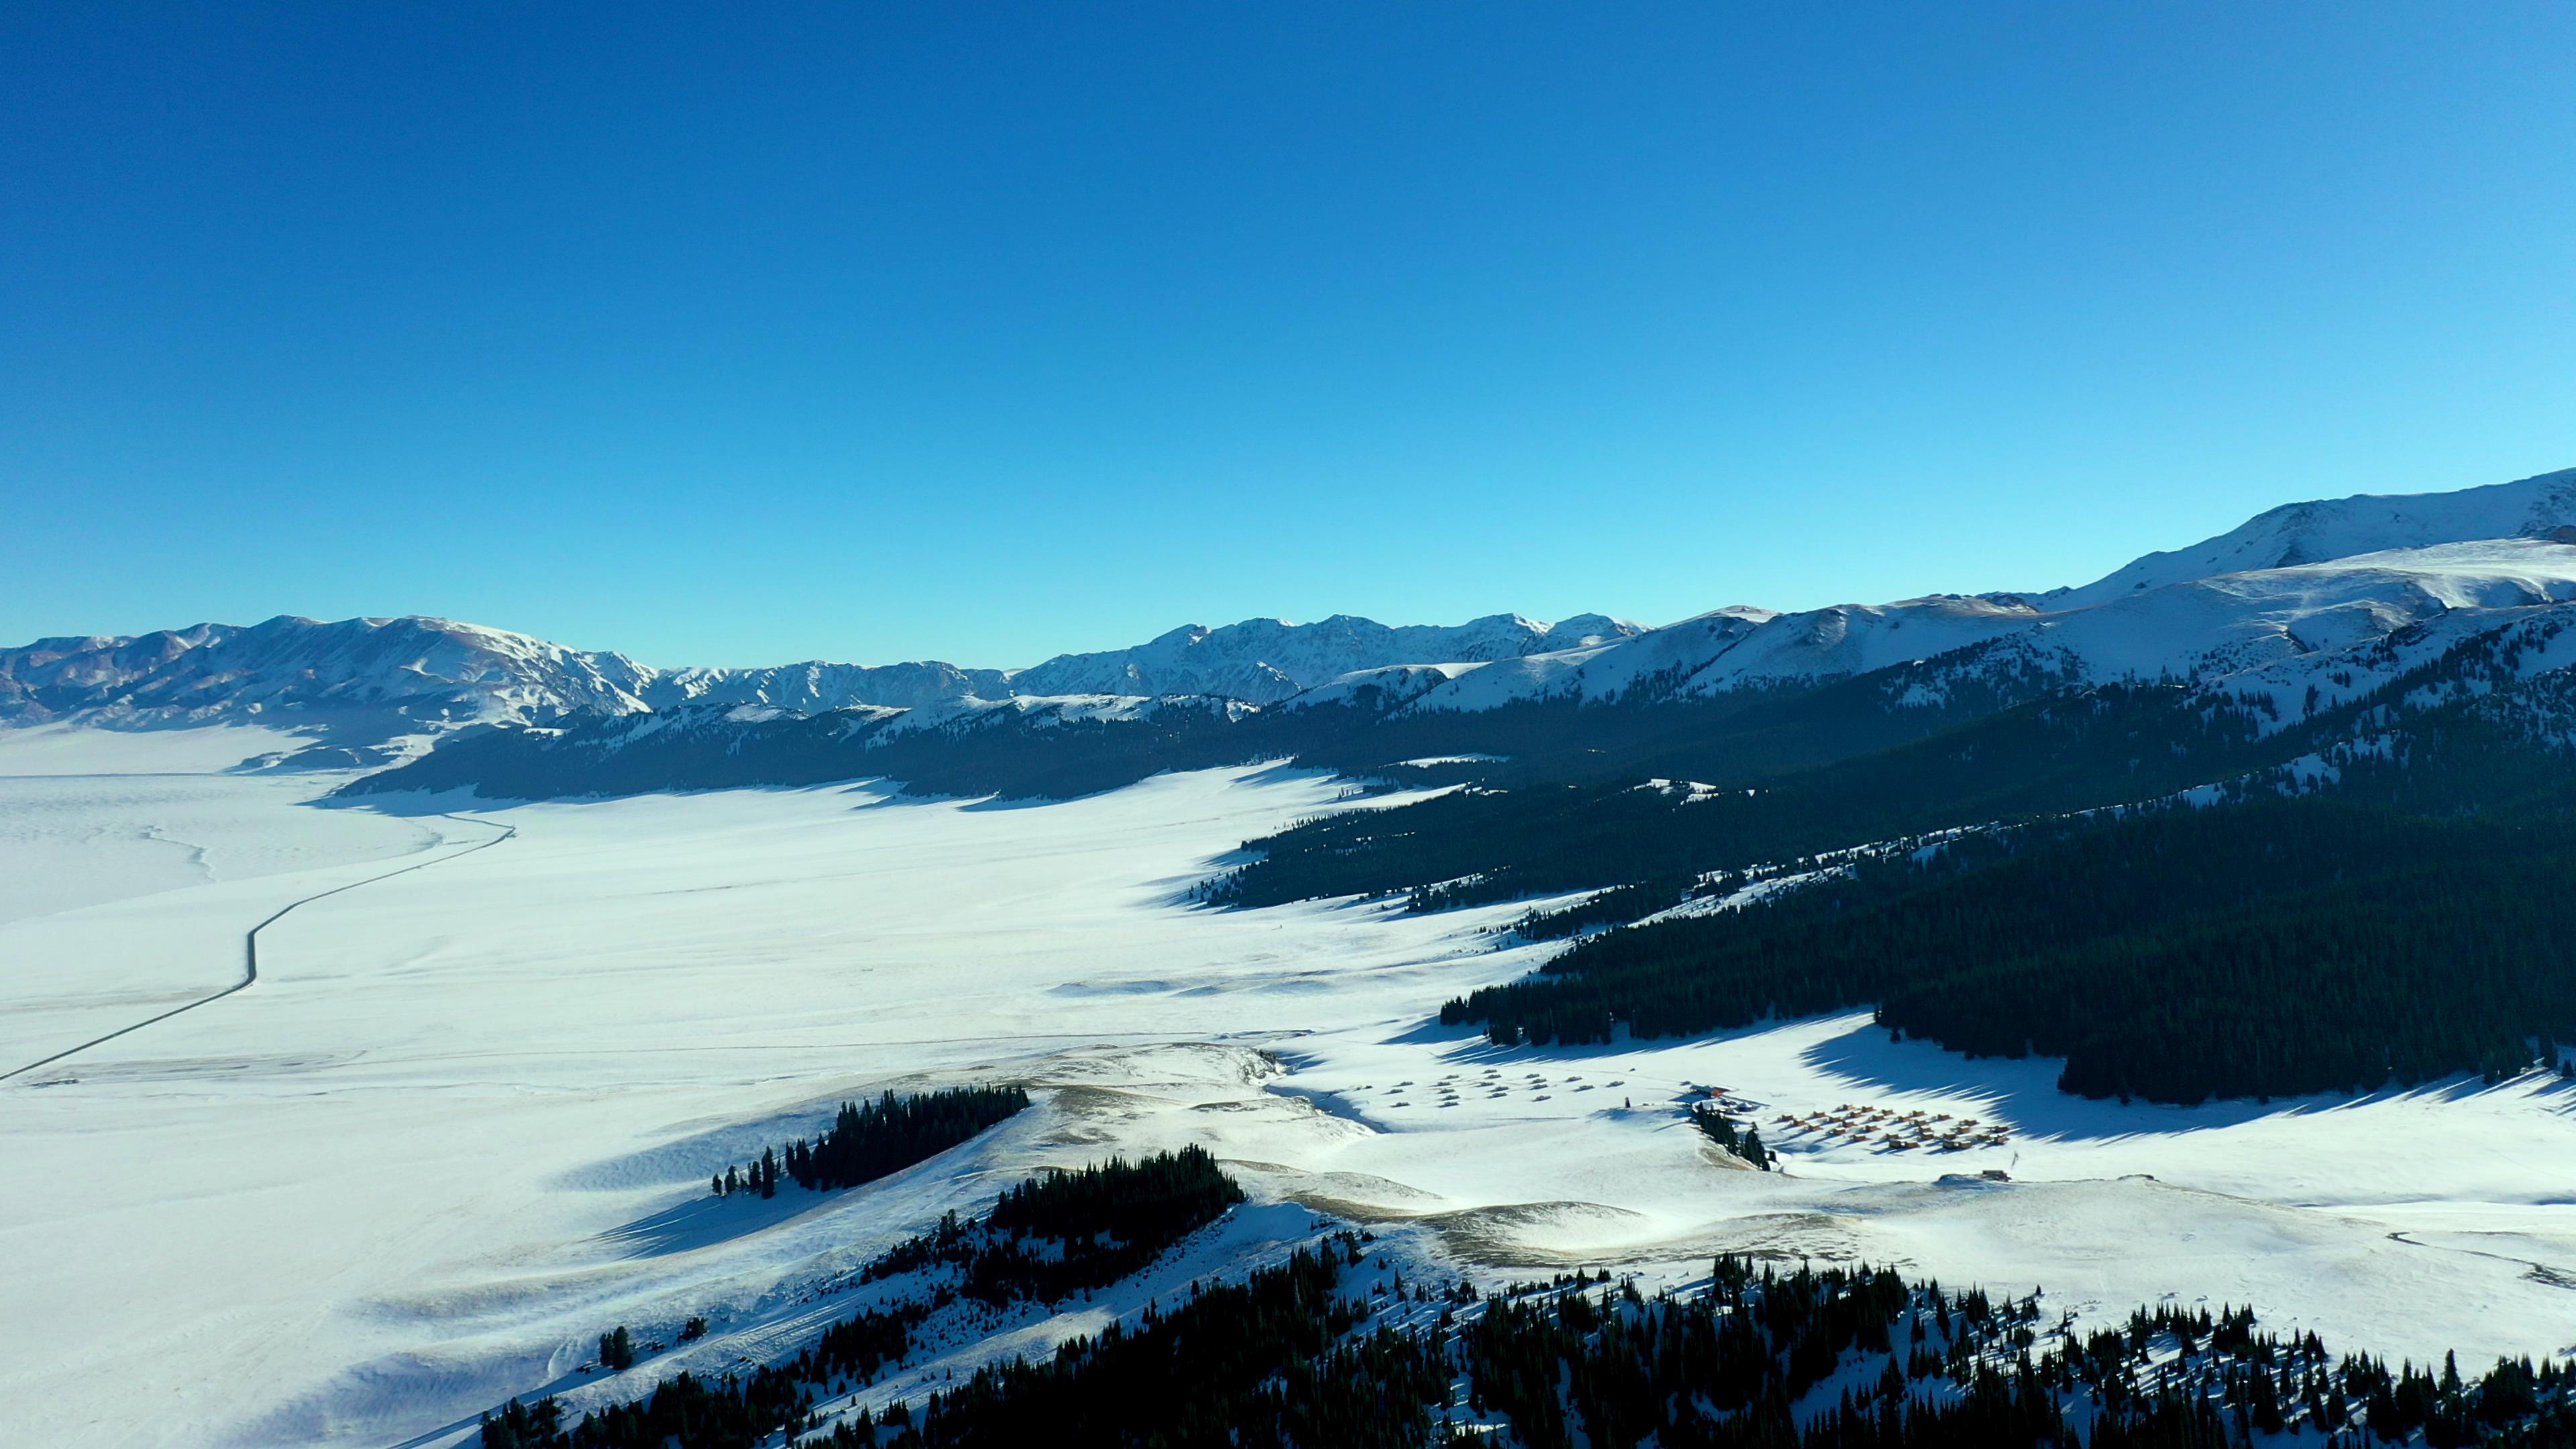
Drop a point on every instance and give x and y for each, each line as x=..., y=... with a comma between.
x=464, y=1122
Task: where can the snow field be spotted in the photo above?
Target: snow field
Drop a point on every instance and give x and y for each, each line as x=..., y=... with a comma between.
x=464, y=1123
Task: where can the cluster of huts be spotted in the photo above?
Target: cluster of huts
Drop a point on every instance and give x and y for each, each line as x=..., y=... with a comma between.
x=1898, y=1131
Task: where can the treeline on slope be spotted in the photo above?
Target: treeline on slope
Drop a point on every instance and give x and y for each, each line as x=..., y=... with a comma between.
x=1615, y=906
x=983, y=753
x=1309, y=1354
x=2267, y=948
x=1726, y=1367
x=1741, y=1142
x=1746, y=734
x=1278, y=1360
x=1647, y=733
x=885, y=1136
x=1063, y=1233
x=2101, y=747
x=2049, y=738
x=1051, y=1236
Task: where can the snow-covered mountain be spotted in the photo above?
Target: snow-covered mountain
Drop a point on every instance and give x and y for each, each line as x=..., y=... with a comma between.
x=372, y=680
x=1594, y=671
x=1739, y=648
x=428, y=673
x=2288, y=598
x=2308, y=579
x=815, y=686
x=2543, y=506
x=415, y=673
x=1263, y=661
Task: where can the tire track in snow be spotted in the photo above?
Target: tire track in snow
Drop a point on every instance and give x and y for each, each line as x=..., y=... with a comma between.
x=2535, y=1271
x=250, y=943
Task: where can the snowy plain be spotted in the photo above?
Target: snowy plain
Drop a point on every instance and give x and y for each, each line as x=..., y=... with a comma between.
x=465, y=1120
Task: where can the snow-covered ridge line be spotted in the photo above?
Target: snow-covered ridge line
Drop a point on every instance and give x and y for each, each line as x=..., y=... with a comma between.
x=2541, y=507
x=427, y=674
x=2201, y=630
x=2305, y=580
x=2309, y=582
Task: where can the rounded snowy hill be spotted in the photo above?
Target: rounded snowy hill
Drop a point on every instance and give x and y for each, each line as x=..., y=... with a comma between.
x=2303, y=533
x=1263, y=661
x=430, y=672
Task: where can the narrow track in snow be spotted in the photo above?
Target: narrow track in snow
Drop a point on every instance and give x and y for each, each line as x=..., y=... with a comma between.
x=250, y=943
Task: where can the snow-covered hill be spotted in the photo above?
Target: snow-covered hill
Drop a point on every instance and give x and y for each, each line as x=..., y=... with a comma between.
x=416, y=674
x=367, y=681
x=2543, y=506
x=403, y=674
x=1263, y=661
x=2173, y=615
x=1739, y=648
x=815, y=686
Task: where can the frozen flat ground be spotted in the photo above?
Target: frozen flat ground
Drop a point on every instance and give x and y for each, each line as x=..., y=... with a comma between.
x=465, y=1120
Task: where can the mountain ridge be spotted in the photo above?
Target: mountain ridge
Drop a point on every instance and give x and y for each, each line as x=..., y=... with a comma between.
x=373, y=679
x=2395, y=561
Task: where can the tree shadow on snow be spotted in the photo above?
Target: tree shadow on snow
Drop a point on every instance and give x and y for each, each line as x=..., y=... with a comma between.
x=707, y=1221
x=2024, y=1090
x=1863, y=1059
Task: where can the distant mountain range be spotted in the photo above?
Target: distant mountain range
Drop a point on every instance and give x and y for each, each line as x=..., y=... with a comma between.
x=398, y=675
x=2300, y=605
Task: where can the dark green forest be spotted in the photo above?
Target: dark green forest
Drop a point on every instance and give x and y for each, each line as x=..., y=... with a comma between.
x=1322, y=1351
x=1047, y=756
x=1051, y=1236
x=1483, y=843
x=888, y=1135
x=2265, y=948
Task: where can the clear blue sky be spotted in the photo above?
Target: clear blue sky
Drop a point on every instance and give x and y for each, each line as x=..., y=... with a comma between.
x=732, y=335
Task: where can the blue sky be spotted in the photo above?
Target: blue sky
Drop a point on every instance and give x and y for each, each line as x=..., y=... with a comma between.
x=983, y=332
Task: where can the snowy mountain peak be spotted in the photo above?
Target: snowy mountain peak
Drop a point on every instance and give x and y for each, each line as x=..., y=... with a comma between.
x=1262, y=661
x=2328, y=529
x=371, y=681
x=417, y=672
x=2308, y=579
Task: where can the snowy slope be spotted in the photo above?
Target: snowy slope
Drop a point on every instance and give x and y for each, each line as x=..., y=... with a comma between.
x=2303, y=533
x=368, y=680
x=1747, y=649
x=2211, y=628
x=1652, y=663
x=463, y=1125
x=2292, y=581
x=814, y=685
x=1266, y=660
x=2202, y=630
x=424, y=673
